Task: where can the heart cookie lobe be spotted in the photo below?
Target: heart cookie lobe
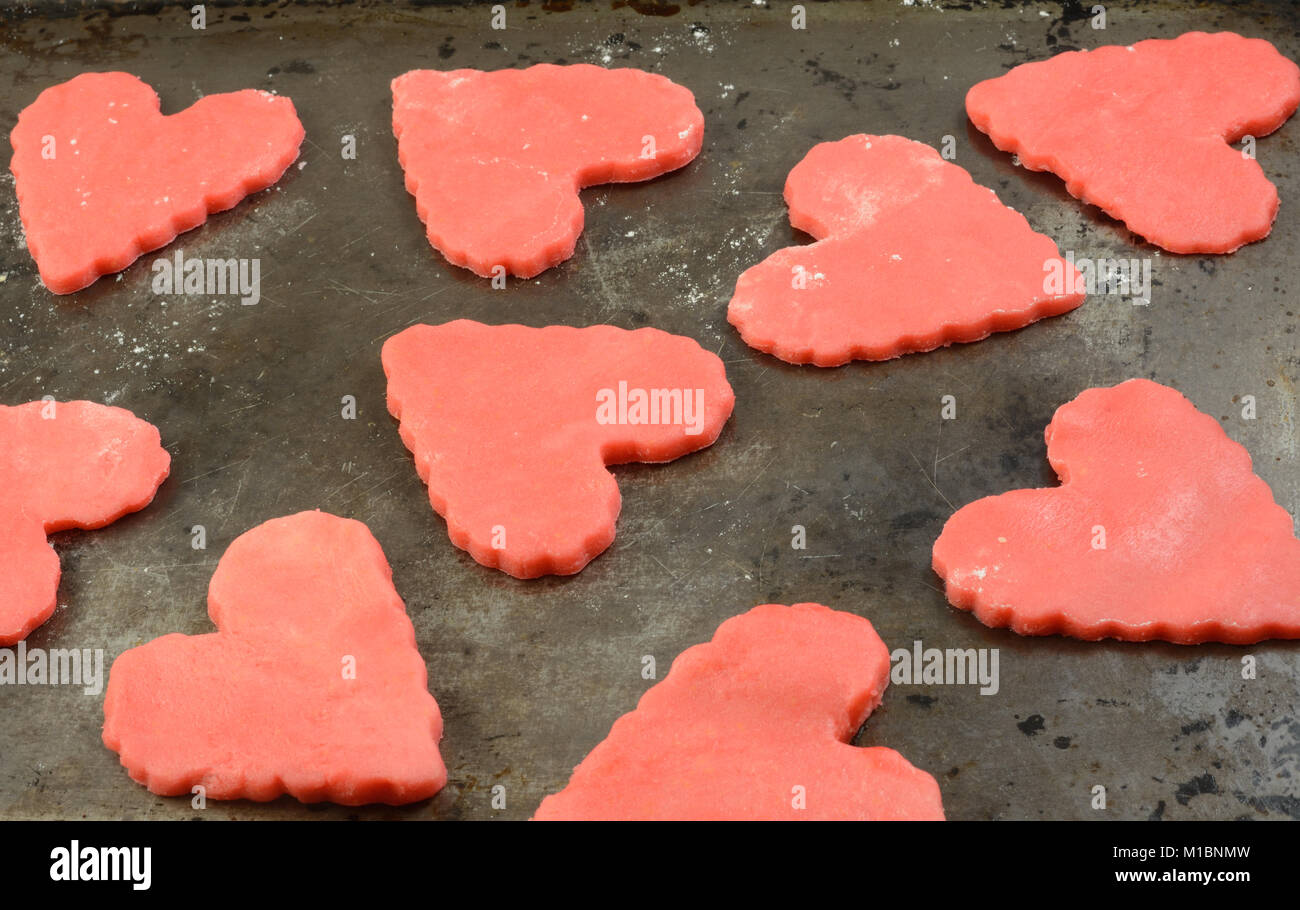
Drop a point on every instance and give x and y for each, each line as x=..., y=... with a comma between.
x=68, y=464
x=512, y=429
x=1160, y=530
x=311, y=686
x=911, y=255
x=495, y=160
x=1143, y=132
x=103, y=177
x=756, y=725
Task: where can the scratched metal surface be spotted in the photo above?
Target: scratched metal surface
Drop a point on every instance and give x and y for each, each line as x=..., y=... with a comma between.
x=530, y=675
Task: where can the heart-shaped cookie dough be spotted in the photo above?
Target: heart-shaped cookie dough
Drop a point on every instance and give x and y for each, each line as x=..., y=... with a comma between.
x=103, y=177
x=1142, y=131
x=66, y=464
x=756, y=724
x=312, y=685
x=911, y=255
x=512, y=429
x=1159, y=530
x=495, y=160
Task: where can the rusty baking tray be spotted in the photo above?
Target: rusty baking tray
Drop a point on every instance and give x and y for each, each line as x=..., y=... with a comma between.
x=530, y=675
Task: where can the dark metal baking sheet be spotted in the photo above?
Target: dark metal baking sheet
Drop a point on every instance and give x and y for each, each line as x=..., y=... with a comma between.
x=530, y=675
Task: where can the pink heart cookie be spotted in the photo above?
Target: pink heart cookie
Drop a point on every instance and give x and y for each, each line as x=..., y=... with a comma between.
x=512, y=429
x=756, y=725
x=1142, y=131
x=1159, y=530
x=911, y=255
x=311, y=685
x=67, y=464
x=103, y=177
x=495, y=160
